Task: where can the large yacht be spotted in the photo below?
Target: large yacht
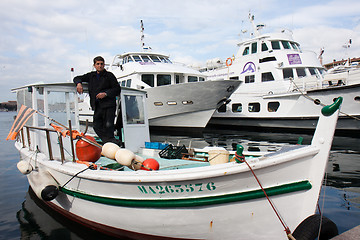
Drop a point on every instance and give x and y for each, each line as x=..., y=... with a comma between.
x=284, y=86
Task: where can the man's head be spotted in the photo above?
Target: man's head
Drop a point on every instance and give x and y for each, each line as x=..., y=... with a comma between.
x=99, y=63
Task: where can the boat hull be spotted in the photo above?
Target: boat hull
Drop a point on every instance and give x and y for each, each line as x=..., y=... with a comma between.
x=203, y=203
x=296, y=111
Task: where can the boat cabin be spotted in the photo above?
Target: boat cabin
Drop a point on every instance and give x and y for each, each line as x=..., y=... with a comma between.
x=143, y=70
x=59, y=102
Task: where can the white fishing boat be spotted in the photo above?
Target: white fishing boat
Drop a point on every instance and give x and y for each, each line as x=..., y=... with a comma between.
x=207, y=194
x=177, y=96
x=284, y=86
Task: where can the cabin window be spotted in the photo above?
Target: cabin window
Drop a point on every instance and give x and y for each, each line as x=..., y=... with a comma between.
x=177, y=79
x=234, y=78
x=134, y=109
x=246, y=51
x=267, y=59
x=295, y=46
x=123, y=83
x=254, y=47
x=275, y=45
x=188, y=102
x=250, y=79
x=264, y=47
x=288, y=73
x=267, y=76
x=137, y=58
x=172, y=103
x=254, y=107
x=286, y=44
x=313, y=72
x=148, y=79
x=201, y=79
x=236, y=107
x=300, y=72
x=130, y=59
x=146, y=58
x=128, y=83
x=158, y=103
x=162, y=79
x=192, y=79
x=321, y=71
x=155, y=59
x=273, y=106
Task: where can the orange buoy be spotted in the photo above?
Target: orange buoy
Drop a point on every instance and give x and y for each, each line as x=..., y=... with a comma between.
x=150, y=164
x=87, y=152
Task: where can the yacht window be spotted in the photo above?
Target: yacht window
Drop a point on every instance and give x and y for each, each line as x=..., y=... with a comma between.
x=137, y=58
x=322, y=71
x=128, y=83
x=264, y=47
x=162, y=79
x=254, y=107
x=267, y=59
x=273, y=106
x=312, y=71
x=158, y=103
x=234, y=78
x=168, y=60
x=267, y=76
x=125, y=60
x=300, y=72
x=288, y=73
x=192, y=79
x=295, y=46
x=236, y=107
x=177, y=79
x=188, y=102
x=130, y=59
x=201, y=79
x=246, y=51
x=123, y=83
x=286, y=44
x=250, y=79
x=275, y=45
x=222, y=108
x=148, y=79
x=146, y=58
x=172, y=103
x=254, y=47
x=155, y=58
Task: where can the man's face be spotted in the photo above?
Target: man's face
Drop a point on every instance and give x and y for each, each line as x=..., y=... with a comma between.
x=99, y=66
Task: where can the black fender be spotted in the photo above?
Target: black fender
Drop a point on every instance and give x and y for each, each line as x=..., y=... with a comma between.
x=309, y=228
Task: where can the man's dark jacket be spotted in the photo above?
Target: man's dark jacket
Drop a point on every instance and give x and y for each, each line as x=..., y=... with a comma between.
x=107, y=83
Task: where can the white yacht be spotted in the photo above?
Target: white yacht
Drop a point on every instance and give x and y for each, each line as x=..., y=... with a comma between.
x=283, y=88
x=177, y=96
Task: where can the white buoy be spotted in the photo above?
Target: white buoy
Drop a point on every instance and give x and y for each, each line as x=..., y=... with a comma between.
x=124, y=156
x=24, y=167
x=43, y=184
x=136, y=164
x=109, y=150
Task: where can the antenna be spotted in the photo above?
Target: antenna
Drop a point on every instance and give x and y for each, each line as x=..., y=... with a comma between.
x=142, y=37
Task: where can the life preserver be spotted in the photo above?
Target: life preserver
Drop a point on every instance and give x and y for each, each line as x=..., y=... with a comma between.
x=229, y=62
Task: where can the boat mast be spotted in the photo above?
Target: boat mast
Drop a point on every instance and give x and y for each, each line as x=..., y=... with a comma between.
x=142, y=37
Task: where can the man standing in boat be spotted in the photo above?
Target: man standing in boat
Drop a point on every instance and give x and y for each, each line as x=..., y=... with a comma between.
x=103, y=89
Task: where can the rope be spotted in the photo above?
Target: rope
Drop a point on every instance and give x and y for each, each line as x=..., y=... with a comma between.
x=287, y=229
x=320, y=103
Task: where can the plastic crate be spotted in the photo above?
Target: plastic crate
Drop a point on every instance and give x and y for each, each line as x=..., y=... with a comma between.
x=173, y=152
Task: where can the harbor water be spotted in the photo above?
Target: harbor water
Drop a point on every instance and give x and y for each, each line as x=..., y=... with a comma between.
x=23, y=217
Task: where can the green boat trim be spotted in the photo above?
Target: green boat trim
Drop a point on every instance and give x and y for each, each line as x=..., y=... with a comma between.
x=193, y=202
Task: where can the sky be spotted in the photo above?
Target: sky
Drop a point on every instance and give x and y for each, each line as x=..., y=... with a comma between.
x=42, y=40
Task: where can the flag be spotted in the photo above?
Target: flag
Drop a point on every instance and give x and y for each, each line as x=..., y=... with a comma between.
x=22, y=117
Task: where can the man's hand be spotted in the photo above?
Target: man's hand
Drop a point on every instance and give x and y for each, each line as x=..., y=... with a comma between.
x=79, y=88
x=101, y=95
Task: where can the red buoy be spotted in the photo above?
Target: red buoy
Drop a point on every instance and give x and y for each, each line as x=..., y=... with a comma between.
x=86, y=151
x=150, y=164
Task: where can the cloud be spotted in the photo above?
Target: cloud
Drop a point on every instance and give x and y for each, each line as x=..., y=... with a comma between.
x=42, y=40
